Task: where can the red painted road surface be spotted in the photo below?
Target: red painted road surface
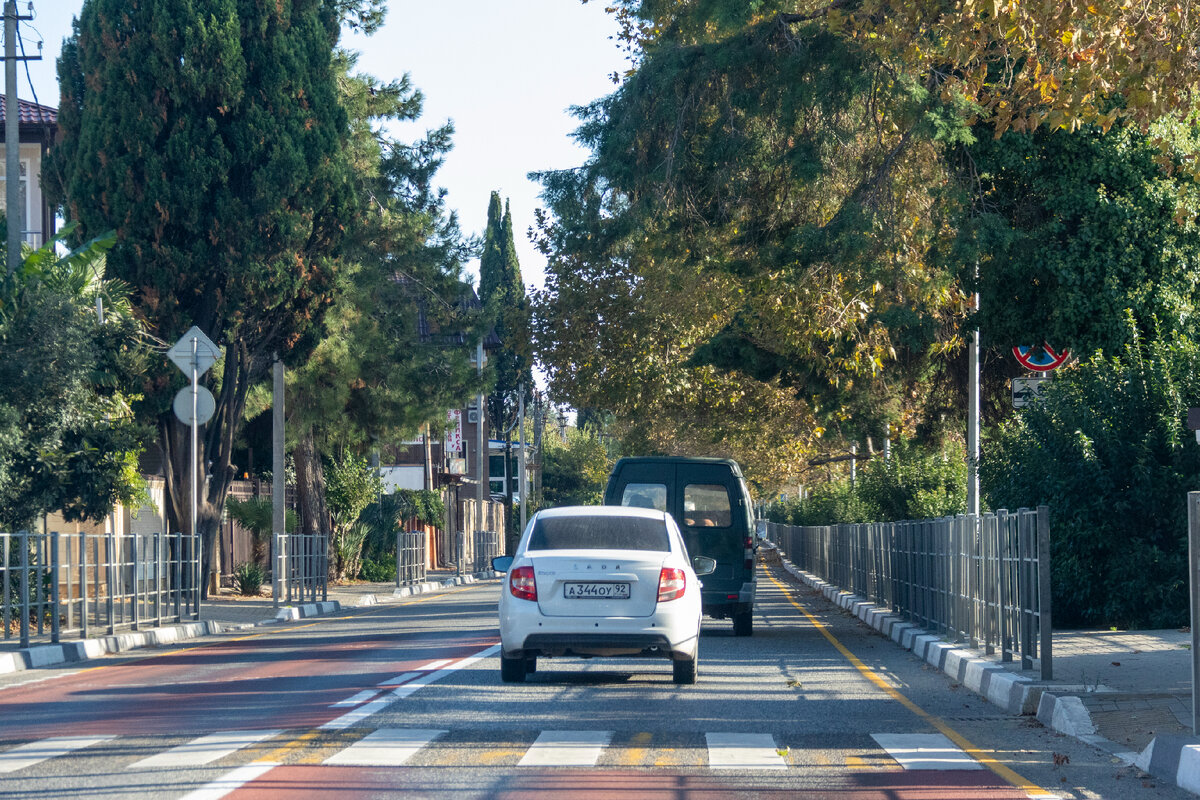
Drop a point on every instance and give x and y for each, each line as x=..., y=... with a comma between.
x=322, y=782
x=256, y=680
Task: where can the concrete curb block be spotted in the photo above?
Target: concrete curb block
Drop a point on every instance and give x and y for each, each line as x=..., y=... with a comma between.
x=291, y=613
x=1065, y=714
x=49, y=655
x=1016, y=694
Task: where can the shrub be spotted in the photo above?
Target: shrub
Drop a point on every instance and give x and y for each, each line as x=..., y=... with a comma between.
x=249, y=578
x=1108, y=451
x=379, y=569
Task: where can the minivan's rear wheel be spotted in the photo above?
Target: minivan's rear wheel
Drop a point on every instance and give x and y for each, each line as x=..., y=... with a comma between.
x=512, y=670
x=530, y=665
x=685, y=671
x=743, y=624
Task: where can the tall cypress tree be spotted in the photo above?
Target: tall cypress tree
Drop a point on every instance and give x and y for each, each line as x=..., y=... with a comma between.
x=503, y=293
x=209, y=135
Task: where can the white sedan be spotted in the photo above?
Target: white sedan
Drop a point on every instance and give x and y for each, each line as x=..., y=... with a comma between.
x=591, y=581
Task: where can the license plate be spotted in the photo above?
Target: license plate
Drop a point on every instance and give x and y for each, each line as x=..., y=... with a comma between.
x=597, y=591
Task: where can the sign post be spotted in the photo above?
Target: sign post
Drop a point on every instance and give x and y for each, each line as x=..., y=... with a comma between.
x=194, y=353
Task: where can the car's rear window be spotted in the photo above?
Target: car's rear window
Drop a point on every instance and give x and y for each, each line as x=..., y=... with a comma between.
x=599, y=533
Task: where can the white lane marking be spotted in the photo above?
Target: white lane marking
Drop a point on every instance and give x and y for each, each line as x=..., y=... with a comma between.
x=432, y=665
x=743, y=751
x=408, y=676
x=355, y=700
x=36, y=752
x=925, y=751
x=205, y=749
x=359, y=714
x=385, y=747
x=387, y=698
x=231, y=782
x=566, y=749
x=430, y=677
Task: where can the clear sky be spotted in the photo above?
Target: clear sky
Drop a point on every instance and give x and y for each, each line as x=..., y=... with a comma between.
x=504, y=72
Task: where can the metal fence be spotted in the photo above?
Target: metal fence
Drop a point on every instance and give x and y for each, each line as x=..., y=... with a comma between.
x=488, y=545
x=983, y=580
x=410, y=557
x=83, y=584
x=301, y=568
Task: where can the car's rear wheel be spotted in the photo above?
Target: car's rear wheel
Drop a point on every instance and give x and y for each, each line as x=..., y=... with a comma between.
x=530, y=665
x=743, y=624
x=512, y=670
x=685, y=671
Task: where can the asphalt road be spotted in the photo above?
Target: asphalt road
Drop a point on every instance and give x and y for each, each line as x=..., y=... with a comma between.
x=405, y=700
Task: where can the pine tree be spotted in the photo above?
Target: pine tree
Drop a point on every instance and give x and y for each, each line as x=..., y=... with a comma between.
x=503, y=293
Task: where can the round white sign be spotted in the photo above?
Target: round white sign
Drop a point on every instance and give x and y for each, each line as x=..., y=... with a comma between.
x=206, y=405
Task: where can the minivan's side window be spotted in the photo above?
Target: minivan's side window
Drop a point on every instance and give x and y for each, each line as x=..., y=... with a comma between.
x=706, y=505
x=645, y=495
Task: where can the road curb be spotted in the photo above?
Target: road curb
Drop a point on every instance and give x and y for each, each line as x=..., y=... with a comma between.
x=1174, y=758
x=49, y=655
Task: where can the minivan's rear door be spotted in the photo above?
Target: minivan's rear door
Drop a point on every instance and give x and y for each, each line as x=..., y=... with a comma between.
x=643, y=485
x=708, y=515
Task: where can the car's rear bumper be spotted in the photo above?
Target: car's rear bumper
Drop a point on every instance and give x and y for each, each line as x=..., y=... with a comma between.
x=670, y=633
x=598, y=644
x=722, y=602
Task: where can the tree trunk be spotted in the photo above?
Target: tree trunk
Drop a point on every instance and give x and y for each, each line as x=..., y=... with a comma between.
x=310, y=493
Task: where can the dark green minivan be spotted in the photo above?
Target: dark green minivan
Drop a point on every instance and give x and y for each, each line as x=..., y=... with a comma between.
x=710, y=503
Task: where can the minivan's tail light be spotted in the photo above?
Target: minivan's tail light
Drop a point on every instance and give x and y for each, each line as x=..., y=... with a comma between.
x=522, y=584
x=671, y=583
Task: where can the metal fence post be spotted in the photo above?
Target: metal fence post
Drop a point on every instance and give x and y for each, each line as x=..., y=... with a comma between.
x=55, y=630
x=1045, y=604
x=109, y=567
x=23, y=605
x=7, y=588
x=1193, y=507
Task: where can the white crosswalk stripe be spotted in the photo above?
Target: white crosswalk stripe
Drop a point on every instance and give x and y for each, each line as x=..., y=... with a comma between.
x=36, y=752
x=743, y=751
x=386, y=747
x=566, y=749
x=205, y=749
x=929, y=751
x=392, y=747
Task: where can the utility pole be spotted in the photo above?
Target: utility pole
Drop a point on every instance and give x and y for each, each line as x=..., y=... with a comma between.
x=12, y=135
x=521, y=438
x=973, y=415
x=481, y=450
x=279, y=563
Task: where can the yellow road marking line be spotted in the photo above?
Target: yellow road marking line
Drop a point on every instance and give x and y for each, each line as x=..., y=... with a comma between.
x=496, y=756
x=280, y=753
x=961, y=741
x=636, y=753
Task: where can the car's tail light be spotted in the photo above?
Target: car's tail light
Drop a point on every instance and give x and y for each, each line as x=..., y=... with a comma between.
x=522, y=584
x=671, y=583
